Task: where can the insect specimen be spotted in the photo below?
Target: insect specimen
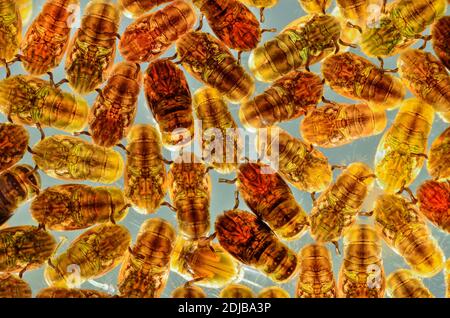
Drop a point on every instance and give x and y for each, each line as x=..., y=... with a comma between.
x=151, y=35
x=439, y=38
x=25, y=9
x=273, y=292
x=232, y=22
x=334, y=125
x=47, y=38
x=13, y=144
x=271, y=199
x=76, y=206
x=288, y=98
x=447, y=278
x=355, y=11
x=30, y=100
x=236, y=291
x=188, y=291
x=92, y=254
x=12, y=286
x=71, y=158
x=145, y=269
x=205, y=262
x=316, y=278
x=357, y=78
x=169, y=100
x=315, y=6
x=439, y=157
x=400, y=153
x=303, y=42
x=426, y=78
x=261, y=4
x=145, y=172
x=335, y=210
x=209, y=61
x=362, y=273
x=301, y=165
x=135, y=8
x=403, y=284
x=399, y=223
x=62, y=292
x=24, y=248
x=10, y=30
x=190, y=193
x=115, y=108
x=251, y=241
x=434, y=202
x=90, y=55
x=220, y=139
x=17, y=185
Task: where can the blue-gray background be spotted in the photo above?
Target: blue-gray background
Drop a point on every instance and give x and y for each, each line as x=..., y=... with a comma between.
x=222, y=196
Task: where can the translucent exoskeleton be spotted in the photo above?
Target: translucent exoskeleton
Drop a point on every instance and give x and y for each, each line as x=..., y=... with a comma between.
x=288, y=98
x=316, y=279
x=439, y=156
x=315, y=6
x=404, y=230
x=25, y=9
x=91, y=255
x=47, y=38
x=145, y=173
x=335, y=210
x=71, y=158
x=333, y=125
x=62, y=292
x=188, y=291
x=17, y=185
x=439, y=38
x=362, y=272
x=208, y=60
x=30, y=100
x=12, y=286
x=220, y=138
x=135, y=8
x=404, y=284
x=261, y=4
x=208, y=263
x=69, y=207
x=401, y=151
x=152, y=34
x=13, y=144
x=434, y=202
x=115, y=107
x=273, y=292
x=10, y=30
x=250, y=240
x=236, y=291
x=91, y=52
x=304, y=167
x=357, y=78
x=190, y=193
x=146, y=266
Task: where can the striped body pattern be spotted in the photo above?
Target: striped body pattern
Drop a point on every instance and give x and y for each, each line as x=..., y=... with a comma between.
x=17, y=185
x=134, y=8
x=62, y=292
x=30, y=100
x=271, y=199
x=335, y=210
x=221, y=141
x=209, y=61
x=334, y=125
x=439, y=32
x=12, y=286
x=190, y=194
x=152, y=34
x=434, y=202
x=146, y=266
x=404, y=230
x=251, y=241
x=13, y=144
x=439, y=156
x=10, y=30
x=399, y=159
x=145, y=172
x=404, y=284
x=70, y=207
x=71, y=158
x=290, y=97
x=315, y=278
x=357, y=78
x=91, y=52
x=92, y=254
x=115, y=108
x=169, y=99
x=47, y=38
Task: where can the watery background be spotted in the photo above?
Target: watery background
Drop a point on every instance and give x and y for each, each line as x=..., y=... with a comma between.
x=223, y=195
